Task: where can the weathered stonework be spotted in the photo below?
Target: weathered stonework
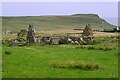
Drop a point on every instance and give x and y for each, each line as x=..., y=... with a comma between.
x=87, y=34
x=30, y=34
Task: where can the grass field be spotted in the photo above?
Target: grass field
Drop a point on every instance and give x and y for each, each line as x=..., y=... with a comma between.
x=37, y=61
x=44, y=23
x=60, y=32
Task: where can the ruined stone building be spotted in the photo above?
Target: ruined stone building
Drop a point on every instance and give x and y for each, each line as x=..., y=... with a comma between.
x=87, y=34
x=30, y=34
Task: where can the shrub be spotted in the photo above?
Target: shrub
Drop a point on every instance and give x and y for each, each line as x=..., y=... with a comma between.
x=60, y=64
x=94, y=66
x=22, y=44
x=100, y=48
x=82, y=47
x=91, y=47
x=88, y=66
x=7, y=52
x=6, y=42
x=107, y=48
x=77, y=65
x=81, y=65
x=63, y=41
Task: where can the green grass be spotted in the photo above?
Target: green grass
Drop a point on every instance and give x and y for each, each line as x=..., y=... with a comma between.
x=53, y=22
x=37, y=62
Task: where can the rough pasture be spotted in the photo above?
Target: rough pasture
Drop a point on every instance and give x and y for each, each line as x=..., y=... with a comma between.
x=61, y=32
x=37, y=61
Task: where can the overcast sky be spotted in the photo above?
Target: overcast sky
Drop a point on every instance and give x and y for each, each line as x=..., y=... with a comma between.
x=106, y=10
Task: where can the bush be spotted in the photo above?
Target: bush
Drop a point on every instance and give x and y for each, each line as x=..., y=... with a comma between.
x=105, y=48
x=77, y=65
x=94, y=66
x=81, y=65
x=22, y=44
x=108, y=48
x=5, y=42
x=60, y=65
x=100, y=48
x=88, y=43
x=91, y=47
x=86, y=47
x=82, y=47
x=87, y=66
x=63, y=41
x=7, y=52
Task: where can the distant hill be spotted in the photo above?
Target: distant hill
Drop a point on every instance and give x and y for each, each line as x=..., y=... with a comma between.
x=54, y=22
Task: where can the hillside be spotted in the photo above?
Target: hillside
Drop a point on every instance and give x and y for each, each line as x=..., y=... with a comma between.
x=53, y=22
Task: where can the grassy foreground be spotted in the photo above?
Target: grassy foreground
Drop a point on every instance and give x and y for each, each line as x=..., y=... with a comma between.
x=37, y=62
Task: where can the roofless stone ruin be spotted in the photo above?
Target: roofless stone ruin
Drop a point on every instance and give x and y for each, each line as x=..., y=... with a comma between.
x=30, y=34
x=87, y=34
